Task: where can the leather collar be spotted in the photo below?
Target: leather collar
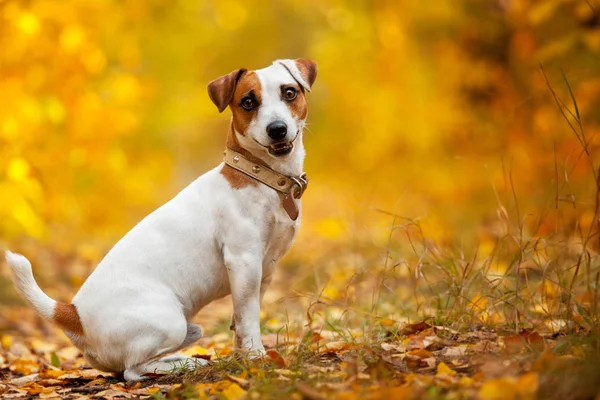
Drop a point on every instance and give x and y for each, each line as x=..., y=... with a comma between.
x=289, y=187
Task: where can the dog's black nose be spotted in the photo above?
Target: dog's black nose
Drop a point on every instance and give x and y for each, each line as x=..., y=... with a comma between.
x=277, y=130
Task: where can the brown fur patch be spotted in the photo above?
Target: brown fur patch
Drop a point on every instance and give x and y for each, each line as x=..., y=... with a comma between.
x=298, y=107
x=308, y=70
x=241, y=117
x=237, y=179
x=67, y=317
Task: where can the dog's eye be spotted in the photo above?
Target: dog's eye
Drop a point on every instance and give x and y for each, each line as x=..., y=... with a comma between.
x=248, y=103
x=290, y=93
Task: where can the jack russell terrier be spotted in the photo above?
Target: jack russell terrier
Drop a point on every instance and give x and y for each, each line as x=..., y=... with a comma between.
x=223, y=234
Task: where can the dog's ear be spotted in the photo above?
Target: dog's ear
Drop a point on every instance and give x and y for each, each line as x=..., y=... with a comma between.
x=303, y=71
x=221, y=89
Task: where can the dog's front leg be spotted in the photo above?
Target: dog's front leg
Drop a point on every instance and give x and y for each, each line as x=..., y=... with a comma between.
x=245, y=276
x=263, y=287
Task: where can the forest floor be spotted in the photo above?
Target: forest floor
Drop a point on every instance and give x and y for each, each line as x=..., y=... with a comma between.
x=389, y=360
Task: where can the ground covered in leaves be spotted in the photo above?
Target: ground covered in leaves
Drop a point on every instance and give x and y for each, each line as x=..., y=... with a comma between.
x=413, y=361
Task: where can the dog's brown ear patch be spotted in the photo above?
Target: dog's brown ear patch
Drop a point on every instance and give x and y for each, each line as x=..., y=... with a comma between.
x=67, y=317
x=221, y=90
x=308, y=70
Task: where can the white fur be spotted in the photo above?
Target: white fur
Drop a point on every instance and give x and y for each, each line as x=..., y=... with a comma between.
x=23, y=280
x=207, y=242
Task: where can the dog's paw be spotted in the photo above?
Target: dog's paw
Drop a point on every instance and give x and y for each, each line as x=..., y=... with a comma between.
x=252, y=353
x=133, y=375
x=257, y=353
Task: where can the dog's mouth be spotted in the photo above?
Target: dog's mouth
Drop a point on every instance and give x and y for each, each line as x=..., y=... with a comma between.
x=281, y=149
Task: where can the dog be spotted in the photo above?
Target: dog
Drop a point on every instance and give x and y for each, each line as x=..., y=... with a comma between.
x=221, y=235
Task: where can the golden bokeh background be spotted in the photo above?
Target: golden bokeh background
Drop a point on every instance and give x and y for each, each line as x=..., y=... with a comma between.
x=441, y=113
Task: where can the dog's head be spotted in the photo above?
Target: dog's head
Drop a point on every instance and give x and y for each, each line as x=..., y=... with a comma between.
x=268, y=105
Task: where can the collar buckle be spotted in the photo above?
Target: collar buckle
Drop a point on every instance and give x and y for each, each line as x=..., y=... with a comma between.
x=300, y=185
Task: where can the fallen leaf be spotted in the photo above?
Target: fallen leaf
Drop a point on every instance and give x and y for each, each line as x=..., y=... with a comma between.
x=333, y=347
x=504, y=388
x=457, y=351
x=53, y=373
x=278, y=359
x=240, y=380
x=415, y=328
x=443, y=369
x=24, y=366
x=41, y=346
x=395, y=347
x=6, y=342
x=528, y=386
x=49, y=393
x=466, y=381
x=23, y=380
x=198, y=351
x=420, y=353
x=54, y=360
x=33, y=388
x=234, y=392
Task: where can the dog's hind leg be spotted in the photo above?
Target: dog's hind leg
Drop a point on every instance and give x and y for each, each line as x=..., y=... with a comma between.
x=194, y=333
x=160, y=363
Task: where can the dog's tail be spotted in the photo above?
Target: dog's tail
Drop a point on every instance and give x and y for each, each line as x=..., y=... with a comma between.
x=63, y=315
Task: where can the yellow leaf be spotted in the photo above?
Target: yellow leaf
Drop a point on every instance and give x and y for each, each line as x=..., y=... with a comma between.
x=499, y=389
x=53, y=373
x=25, y=367
x=33, y=388
x=234, y=392
x=6, y=342
x=41, y=346
x=443, y=369
x=197, y=350
x=466, y=381
x=528, y=386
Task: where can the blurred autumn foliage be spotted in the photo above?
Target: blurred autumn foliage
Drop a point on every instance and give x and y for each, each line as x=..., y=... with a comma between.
x=456, y=124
